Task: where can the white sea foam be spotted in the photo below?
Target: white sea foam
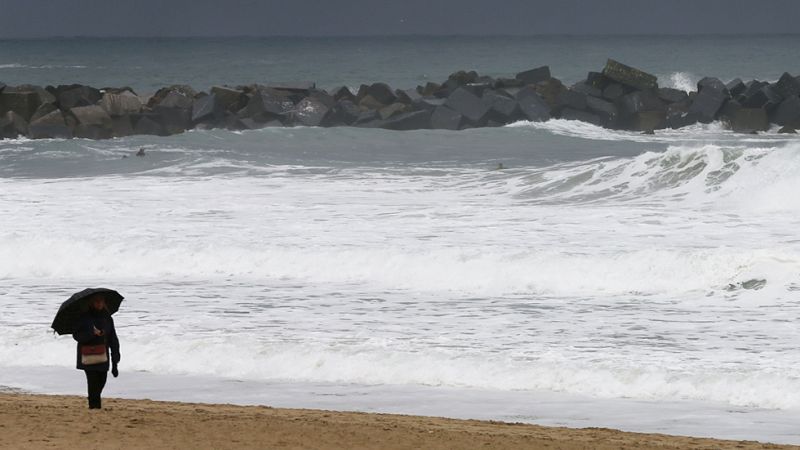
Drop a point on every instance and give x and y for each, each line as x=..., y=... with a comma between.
x=684, y=81
x=667, y=275
x=229, y=354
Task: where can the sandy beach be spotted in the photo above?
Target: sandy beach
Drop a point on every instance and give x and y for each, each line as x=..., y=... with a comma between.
x=49, y=421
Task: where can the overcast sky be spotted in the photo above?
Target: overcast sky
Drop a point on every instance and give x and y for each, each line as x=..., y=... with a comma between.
x=44, y=18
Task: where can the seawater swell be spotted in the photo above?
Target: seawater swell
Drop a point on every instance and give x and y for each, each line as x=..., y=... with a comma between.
x=662, y=188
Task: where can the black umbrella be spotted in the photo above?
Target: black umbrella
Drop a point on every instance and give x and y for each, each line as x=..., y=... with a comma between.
x=70, y=311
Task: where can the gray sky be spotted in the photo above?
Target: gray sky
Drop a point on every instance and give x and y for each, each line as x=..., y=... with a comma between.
x=43, y=18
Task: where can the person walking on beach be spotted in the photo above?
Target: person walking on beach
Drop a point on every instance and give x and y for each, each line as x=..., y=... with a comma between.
x=97, y=337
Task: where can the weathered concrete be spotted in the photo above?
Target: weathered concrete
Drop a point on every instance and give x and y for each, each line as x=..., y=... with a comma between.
x=444, y=118
x=50, y=126
x=788, y=112
x=309, y=112
x=534, y=76
x=120, y=104
x=532, y=105
x=619, y=97
x=12, y=125
x=22, y=102
x=629, y=76
x=468, y=105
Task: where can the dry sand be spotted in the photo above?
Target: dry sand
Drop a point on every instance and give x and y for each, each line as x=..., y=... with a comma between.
x=45, y=421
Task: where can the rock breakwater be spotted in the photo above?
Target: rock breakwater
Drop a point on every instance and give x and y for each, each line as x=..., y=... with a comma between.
x=617, y=97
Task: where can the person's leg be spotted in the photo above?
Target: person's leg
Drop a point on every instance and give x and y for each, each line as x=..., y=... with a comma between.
x=101, y=383
x=95, y=380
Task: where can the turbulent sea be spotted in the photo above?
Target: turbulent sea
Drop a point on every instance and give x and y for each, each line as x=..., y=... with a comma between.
x=600, y=278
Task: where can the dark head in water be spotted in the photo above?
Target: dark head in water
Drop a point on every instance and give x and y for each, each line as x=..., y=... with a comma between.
x=140, y=153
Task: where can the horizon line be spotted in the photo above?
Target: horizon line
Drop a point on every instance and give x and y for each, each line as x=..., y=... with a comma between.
x=395, y=35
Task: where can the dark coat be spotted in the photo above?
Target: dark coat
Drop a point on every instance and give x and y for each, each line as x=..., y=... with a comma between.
x=85, y=336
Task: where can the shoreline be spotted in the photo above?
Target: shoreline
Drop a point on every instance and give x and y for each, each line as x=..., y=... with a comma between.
x=58, y=421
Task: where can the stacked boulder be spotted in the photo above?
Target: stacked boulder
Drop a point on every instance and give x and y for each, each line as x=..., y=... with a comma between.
x=618, y=97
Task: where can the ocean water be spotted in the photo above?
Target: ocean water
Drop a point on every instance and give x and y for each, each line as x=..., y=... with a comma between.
x=601, y=278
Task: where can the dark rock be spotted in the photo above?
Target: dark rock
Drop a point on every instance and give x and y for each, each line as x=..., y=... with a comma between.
x=583, y=116
x=408, y=96
x=268, y=104
x=301, y=88
x=77, y=95
x=92, y=115
x=366, y=118
x=463, y=77
x=161, y=94
x=532, y=105
x=430, y=89
x=670, y=95
x=121, y=126
x=370, y=102
x=228, y=98
x=597, y=80
x=607, y=111
x=232, y=122
x=380, y=92
x=2, y=86
x=323, y=97
x=765, y=97
x=12, y=125
x=43, y=110
x=735, y=87
x=788, y=112
x=751, y=89
x=502, y=109
x=714, y=84
x=647, y=121
x=146, y=125
x=206, y=108
x=548, y=90
x=678, y=115
x=343, y=93
x=640, y=101
x=22, y=102
x=414, y=120
x=501, y=83
x=468, y=105
x=629, y=76
x=393, y=109
x=249, y=124
x=309, y=112
x=174, y=119
x=614, y=92
x=344, y=112
x=448, y=87
x=478, y=88
x=571, y=99
x=748, y=120
x=120, y=104
x=118, y=91
x=534, y=76
x=431, y=102
x=50, y=126
x=706, y=104
x=444, y=118
x=91, y=131
x=175, y=100
x=787, y=86
x=45, y=96
x=585, y=88
x=788, y=130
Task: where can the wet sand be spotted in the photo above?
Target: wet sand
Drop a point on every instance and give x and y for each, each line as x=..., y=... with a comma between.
x=50, y=421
